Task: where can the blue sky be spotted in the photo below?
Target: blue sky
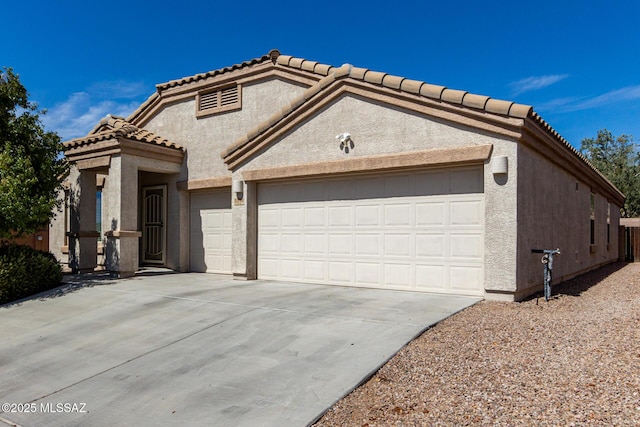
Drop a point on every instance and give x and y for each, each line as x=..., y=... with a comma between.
x=576, y=62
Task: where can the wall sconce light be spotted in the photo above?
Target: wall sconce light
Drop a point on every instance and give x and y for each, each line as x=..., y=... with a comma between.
x=238, y=189
x=500, y=165
x=346, y=143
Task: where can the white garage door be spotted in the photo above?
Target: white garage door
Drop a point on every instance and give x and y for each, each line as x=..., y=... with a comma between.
x=420, y=231
x=210, y=232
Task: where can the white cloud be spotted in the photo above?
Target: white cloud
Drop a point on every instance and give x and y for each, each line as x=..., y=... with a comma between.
x=82, y=111
x=566, y=105
x=535, y=83
x=628, y=93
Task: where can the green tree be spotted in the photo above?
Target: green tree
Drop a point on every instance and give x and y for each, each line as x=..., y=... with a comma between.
x=31, y=164
x=619, y=160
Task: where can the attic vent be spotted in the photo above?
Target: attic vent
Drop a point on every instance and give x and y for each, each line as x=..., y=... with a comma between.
x=219, y=100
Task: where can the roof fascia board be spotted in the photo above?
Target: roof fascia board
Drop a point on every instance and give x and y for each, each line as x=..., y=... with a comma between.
x=506, y=127
x=149, y=105
x=152, y=151
x=123, y=145
x=92, y=149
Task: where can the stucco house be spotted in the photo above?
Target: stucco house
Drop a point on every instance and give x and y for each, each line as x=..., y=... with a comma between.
x=287, y=169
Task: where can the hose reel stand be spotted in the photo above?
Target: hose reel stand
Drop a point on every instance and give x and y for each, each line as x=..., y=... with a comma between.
x=547, y=260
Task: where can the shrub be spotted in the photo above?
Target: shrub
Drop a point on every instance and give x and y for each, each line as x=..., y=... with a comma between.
x=25, y=271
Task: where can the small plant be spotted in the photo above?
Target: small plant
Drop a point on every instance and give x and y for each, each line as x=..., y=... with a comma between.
x=25, y=271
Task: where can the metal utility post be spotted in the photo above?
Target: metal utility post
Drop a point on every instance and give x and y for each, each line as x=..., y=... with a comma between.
x=547, y=260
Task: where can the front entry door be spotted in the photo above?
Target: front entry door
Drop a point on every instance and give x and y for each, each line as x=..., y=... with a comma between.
x=154, y=213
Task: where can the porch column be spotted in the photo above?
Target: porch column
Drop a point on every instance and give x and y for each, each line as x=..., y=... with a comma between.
x=123, y=237
x=83, y=238
x=183, y=196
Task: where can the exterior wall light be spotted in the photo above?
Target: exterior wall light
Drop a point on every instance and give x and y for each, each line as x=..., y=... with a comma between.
x=238, y=189
x=500, y=165
x=346, y=143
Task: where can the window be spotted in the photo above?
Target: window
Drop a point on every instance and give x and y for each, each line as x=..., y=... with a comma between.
x=67, y=217
x=593, y=219
x=219, y=100
x=608, y=223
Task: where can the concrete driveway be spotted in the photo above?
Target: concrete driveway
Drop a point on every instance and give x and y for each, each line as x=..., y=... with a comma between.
x=199, y=349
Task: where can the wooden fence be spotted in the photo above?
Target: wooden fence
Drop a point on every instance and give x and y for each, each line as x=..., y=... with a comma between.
x=38, y=240
x=631, y=238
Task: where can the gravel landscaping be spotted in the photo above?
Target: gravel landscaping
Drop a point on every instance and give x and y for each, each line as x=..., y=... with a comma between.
x=572, y=361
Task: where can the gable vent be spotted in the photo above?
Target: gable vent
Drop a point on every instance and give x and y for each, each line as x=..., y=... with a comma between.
x=219, y=100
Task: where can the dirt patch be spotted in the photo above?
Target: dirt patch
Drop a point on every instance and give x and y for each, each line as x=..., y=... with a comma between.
x=574, y=360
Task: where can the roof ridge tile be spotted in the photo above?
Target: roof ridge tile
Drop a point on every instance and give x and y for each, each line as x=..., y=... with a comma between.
x=411, y=86
x=453, y=96
x=475, y=101
x=394, y=82
x=432, y=91
x=375, y=77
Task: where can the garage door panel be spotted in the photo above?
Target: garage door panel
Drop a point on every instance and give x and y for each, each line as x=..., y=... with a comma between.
x=466, y=212
x=339, y=216
x=291, y=217
x=269, y=267
x=269, y=218
x=315, y=217
x=367, y=216
x=291, y=243
x=398, y=215
x=398, y=275
x=465, y=278
x=466, y=246
x=399, y=231
x=314, y=244
x=340, y=244
x=340, y=272
x=368, y=245
x=367, y=274
x=398, y=245
x=430, y=245
x=430, y=277
x=291, y=269
x=210, y=232
x=269, y=243
x=213, y=242
x=314, y=271
x=430, y=214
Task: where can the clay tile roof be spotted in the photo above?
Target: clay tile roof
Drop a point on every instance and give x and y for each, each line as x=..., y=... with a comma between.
x=273, y=56
x=435, y=92
x=117, y=127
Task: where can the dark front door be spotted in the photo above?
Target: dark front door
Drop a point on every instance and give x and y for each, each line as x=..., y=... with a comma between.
x=153, y=228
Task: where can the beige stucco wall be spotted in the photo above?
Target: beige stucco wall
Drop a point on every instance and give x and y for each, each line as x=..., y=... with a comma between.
x=377, y=129
x=205, y=138
x=501, y=231
x=554, y=212
x=374, y=128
